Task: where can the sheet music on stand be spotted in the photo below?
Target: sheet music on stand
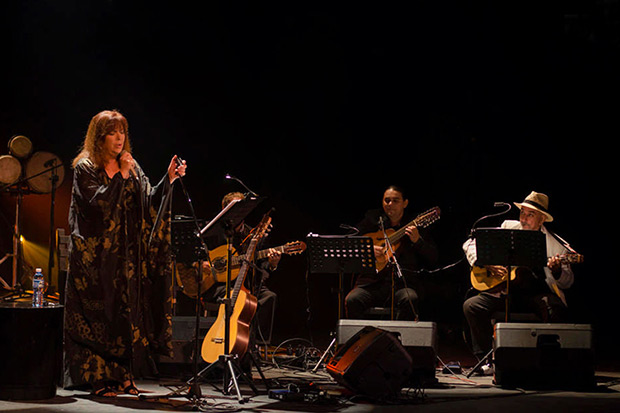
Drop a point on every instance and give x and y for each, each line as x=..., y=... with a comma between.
x=334, y=254
x=232, y=215
x=510, y=247
x=340, y=254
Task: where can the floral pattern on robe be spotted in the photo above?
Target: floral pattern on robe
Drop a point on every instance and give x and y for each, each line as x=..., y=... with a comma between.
x=118, y=308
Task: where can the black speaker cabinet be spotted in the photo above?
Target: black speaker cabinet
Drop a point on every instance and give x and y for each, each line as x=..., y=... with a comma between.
x=419, y=338
x=183, y=334
x=373, y=362
x=537, y=355
x=30, y=350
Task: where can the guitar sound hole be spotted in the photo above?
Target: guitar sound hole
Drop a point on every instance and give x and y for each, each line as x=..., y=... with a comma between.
x=219, y=264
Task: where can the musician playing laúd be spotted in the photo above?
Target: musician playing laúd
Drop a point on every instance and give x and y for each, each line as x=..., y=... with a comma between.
x=536, y=291
x=415, y=250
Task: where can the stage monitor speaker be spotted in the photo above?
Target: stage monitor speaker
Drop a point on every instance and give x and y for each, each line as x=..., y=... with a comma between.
x=183, y=333
x=541, y=355
x=419, y=338
x=372, y=362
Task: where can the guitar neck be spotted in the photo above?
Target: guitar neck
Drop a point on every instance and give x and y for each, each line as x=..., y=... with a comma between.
x=243, y=271
x=421, y=221
x=259, y=255
x=263, y=253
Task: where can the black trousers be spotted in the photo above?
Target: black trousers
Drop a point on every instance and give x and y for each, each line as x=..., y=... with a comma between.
x=361, y=298
x=479, y=309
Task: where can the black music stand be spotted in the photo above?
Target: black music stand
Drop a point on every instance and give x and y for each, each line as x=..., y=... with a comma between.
x=335, y=254
x=509, y=248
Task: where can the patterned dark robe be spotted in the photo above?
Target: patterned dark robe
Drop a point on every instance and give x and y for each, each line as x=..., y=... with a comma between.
x=118, y=309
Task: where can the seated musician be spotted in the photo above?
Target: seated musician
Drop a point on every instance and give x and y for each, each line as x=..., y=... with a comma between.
x=213, y=291
x=414, y=251
x=266, y=298
x=538, y=291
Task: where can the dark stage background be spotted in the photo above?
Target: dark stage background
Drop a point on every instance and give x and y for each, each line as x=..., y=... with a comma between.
x=320, y=105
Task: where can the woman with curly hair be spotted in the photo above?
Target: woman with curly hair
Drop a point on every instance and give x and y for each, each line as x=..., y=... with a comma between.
x=119, y=291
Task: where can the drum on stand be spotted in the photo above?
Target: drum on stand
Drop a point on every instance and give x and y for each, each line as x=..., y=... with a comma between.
x=38, y=170
x=20, y=147
x=10, y=170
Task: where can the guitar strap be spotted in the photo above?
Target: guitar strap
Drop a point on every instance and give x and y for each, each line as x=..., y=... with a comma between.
x=561, y=241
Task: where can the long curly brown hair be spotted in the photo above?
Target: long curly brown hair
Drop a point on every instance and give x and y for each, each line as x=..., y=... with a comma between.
x=100, y=125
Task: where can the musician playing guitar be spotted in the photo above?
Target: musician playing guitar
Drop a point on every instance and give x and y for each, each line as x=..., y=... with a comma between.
x=413, y=250
x=537, y=290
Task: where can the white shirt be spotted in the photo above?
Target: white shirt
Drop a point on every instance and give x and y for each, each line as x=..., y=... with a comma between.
x=554, y=247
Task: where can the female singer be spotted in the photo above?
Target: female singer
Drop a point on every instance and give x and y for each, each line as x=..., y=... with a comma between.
x=119, y=291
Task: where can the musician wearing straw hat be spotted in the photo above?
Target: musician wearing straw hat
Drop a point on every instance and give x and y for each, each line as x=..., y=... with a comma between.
x=538, y=291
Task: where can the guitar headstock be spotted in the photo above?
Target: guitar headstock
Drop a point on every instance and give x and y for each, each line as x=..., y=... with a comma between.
x=428, y=217
x=295, y=247
x=263, y=227
x=573, y=258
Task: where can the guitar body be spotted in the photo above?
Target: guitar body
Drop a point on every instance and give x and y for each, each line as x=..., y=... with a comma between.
x=481, y=280
x=239, y=335
x=186, y=278
x=186, y=274
x=378, y=239
x=219, y=262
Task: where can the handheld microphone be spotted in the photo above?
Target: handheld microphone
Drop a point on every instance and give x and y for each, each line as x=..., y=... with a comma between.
x=132, y=171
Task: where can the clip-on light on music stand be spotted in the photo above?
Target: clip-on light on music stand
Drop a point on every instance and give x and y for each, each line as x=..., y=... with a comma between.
x=330, y=254
x=509, y=248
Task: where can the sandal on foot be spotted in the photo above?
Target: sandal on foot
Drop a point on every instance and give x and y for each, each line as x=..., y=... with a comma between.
x=105, y=391
x=131, y=389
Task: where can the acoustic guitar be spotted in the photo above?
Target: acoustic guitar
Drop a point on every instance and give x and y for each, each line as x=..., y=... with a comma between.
x=186, y=275
x=378, y=238
x=243, y=307
x=481, y=280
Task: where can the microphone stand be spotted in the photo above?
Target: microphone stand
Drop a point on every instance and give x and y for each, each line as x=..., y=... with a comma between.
x=193, y=385
x=254, y=194
x=54, y=180
x=395, y=268
x=194, y=388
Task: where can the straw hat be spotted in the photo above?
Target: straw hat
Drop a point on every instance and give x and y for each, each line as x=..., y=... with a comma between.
x=539, y=202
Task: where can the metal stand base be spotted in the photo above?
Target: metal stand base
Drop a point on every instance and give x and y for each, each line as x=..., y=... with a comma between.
x=480, y=363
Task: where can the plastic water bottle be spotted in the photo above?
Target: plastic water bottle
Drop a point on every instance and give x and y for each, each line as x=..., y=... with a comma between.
x=38, y=288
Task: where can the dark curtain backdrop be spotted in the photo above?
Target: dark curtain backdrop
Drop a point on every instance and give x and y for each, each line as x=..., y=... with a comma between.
x=320, y=105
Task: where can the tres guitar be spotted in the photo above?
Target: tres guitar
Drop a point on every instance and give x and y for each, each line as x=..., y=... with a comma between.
x=186, y=275
x=378, y=238
x=242, y=309
x=481, y=280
